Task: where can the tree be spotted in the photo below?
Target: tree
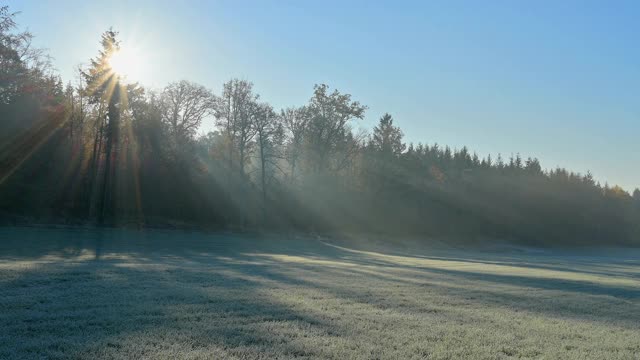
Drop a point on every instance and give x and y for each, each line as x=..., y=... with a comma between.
x=12, y=67
x=387, y=138
x=27, y=81
x=184, y=105
x=100, y=78
x=233, y=111
x=270, y=134
x=386, y=145
x=295, y=122
x=24, y=69
x=103, y=86
x=328, y=128
x=532, y=166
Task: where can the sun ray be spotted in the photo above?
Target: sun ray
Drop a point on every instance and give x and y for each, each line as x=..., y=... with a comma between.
x=126, y=64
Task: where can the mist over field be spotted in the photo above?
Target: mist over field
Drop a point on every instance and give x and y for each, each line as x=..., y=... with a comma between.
x=352, y=218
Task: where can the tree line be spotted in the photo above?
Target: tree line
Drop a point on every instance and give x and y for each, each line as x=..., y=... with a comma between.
x=102, y=151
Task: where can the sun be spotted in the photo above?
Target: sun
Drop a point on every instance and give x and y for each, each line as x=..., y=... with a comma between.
x=127, y=64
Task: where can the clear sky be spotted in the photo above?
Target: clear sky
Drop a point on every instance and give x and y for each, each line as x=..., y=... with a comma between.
x=559, y=80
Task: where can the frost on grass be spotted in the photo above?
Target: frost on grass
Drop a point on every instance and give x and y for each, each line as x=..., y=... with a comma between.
x=168, y=295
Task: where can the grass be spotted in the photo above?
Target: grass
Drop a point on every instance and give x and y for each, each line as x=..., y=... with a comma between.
x=167, y=295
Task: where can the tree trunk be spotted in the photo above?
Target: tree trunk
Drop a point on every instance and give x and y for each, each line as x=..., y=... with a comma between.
x=264, y=182
x=93, y=170
x=108, y=199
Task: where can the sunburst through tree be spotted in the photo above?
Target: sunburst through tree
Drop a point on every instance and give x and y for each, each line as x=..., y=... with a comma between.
x=106, y=88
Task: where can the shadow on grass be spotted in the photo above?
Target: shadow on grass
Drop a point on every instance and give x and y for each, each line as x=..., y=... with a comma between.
x=93, y=306
x=134, y=294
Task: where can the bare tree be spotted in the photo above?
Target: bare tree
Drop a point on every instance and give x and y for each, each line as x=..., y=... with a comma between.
x=295, y=122
x=184, y=106
x=234, y=112
x=270, y=136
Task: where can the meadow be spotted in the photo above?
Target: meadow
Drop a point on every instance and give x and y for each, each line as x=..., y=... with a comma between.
x=120, y=294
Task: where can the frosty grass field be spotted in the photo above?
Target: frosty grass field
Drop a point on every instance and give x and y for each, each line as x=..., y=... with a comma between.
x=119, y=294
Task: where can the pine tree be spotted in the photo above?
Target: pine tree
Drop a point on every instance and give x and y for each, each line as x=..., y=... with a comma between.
x=387, y=138
x=103, y=88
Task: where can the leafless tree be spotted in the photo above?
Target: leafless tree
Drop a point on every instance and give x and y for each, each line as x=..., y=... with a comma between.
x=295, y=122
x=184, y=106
x=234, y=112
x=270, y=136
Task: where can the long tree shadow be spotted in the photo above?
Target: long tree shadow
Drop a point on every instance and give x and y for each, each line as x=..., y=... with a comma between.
x=606, y=261
x=91, y=308
x=476, y=288
x=562, y=302
x=591, y=265
x=548, y=283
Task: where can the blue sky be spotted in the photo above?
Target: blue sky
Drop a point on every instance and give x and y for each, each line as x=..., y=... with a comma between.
x=559, y=80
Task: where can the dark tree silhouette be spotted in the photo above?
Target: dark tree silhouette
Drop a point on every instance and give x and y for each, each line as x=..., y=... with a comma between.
x=103, y=88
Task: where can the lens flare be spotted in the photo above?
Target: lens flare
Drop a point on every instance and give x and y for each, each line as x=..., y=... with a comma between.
x=126, y=63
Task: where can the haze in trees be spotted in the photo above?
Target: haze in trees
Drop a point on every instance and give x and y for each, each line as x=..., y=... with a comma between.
x=106, y=150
